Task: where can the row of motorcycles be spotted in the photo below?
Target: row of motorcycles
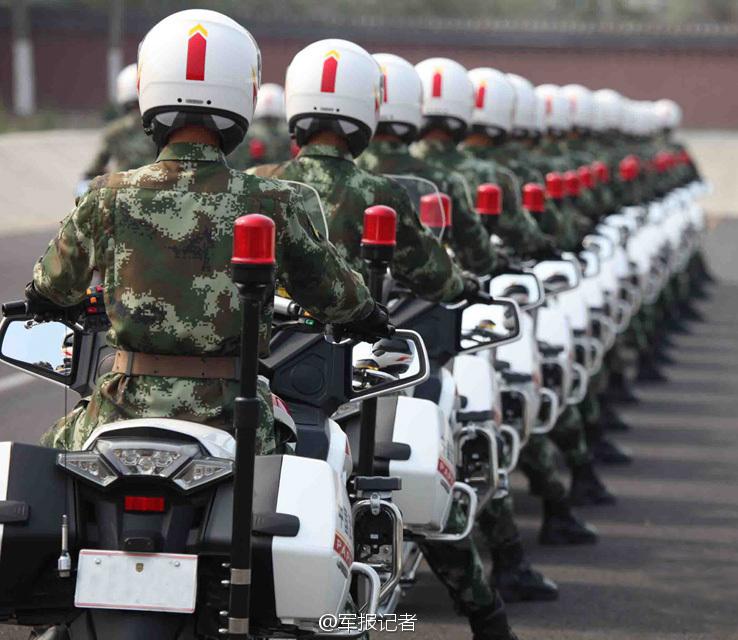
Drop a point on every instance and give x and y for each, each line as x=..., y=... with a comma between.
x=136, y=534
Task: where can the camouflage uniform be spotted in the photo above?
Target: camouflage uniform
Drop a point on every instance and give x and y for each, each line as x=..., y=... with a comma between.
x=424, y=266
x=537, y=459
x=161, y=239
x=468, y=238
x=420, y=262
x=267, y=141
x=516, y=227
x=125, y=144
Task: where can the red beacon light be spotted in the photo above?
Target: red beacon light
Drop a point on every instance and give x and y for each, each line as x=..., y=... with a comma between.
x=586, y=178
x=601, y=172
x=630, y=167
x=534, y=198
x=663, y=161
x=489, y=200
x=257, y=149
x=555, y=186
x=254, y=242
x=380, y=226
x=572, y=184
x=435, y=210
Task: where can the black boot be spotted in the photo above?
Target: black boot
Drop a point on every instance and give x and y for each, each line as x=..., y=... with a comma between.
x=516, y=580
x=688, y=312
x=608, y=452
x=561, y=527
x=611, y=420
x=587, y=488
x=650, y=372
x=622, y=394
x=491, y=623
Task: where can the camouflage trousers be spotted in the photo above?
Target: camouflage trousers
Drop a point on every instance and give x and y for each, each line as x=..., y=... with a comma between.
x=460, y=568
x=538, y=461
x=120, y=397
x=538, y=457
x=497, y=523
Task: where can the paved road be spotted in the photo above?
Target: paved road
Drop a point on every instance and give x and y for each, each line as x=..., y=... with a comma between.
x=667, y=565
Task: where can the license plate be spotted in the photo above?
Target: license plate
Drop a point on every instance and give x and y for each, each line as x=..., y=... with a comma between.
x=136, y=581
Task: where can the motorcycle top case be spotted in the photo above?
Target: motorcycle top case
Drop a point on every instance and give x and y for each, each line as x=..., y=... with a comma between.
x=33, y=498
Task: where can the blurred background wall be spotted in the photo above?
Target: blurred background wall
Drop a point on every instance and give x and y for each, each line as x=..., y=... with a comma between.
x=684, y=49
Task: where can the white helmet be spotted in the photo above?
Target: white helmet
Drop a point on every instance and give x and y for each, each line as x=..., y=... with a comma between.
x=494, y=99
x=669, y=113
x=333, y=85
x=448, y=95
x=581, y=106
x=609, y=107
x=556, y=115
x=525, y=112
x=198, y=67
x=270, y=102
x=125, y=86
x=402, y=96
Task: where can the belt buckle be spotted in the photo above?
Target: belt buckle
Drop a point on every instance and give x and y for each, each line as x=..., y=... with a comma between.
x=129, y=364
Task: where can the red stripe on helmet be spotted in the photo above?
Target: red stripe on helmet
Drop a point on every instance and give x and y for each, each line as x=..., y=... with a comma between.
x=481, y=91
x=437, y=84
x=196, y=48
x=328, y=80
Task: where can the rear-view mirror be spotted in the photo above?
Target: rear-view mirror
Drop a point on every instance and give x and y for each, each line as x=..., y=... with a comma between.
x=389, y=365
x=493, y=324
x=558, y=276
x=525, y=288
x=45, y=349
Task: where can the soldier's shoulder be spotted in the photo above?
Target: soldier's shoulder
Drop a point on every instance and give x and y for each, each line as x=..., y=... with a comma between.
x=264, y=183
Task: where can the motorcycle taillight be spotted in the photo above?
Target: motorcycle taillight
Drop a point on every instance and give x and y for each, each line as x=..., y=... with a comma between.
x=152, y=504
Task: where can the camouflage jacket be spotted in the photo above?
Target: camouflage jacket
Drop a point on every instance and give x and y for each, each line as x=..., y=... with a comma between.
x=125, y=144
x=161, y=239
x=267, y=141
x=420, y=262
x=556, y=221
x=468, y=239
x=515, y=226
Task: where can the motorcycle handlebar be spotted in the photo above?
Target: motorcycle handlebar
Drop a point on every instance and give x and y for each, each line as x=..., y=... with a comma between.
x=15, y=309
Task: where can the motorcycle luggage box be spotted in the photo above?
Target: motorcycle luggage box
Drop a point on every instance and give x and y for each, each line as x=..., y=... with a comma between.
x=33, y=498
x=303, y=539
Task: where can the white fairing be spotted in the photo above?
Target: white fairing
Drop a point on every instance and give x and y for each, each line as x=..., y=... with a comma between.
x=524, y=357
x=430, y=472
x=311, y=570
x=339, y=452
x=5, y=448
x=448, y=400
x=574, y=305
x=522, y=354
x=553, y=328
x=475, y=381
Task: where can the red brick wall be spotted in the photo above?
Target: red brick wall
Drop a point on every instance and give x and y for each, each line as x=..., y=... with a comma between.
x=71, y=65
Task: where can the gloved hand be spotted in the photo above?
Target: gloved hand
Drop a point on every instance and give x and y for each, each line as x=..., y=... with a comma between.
x=472, y=291
x=41, y=308
x=375, y=325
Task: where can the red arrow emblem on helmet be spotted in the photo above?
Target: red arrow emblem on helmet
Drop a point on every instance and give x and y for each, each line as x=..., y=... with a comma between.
x=437, y=83
x=196, y=48
x=481, y=91
x=330, y=68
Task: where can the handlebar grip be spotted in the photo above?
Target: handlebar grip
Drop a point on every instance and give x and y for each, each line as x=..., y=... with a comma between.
x=17, y=308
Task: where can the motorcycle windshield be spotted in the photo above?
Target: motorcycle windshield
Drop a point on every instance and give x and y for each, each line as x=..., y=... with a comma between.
x=428, y=203
x=313, y=205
